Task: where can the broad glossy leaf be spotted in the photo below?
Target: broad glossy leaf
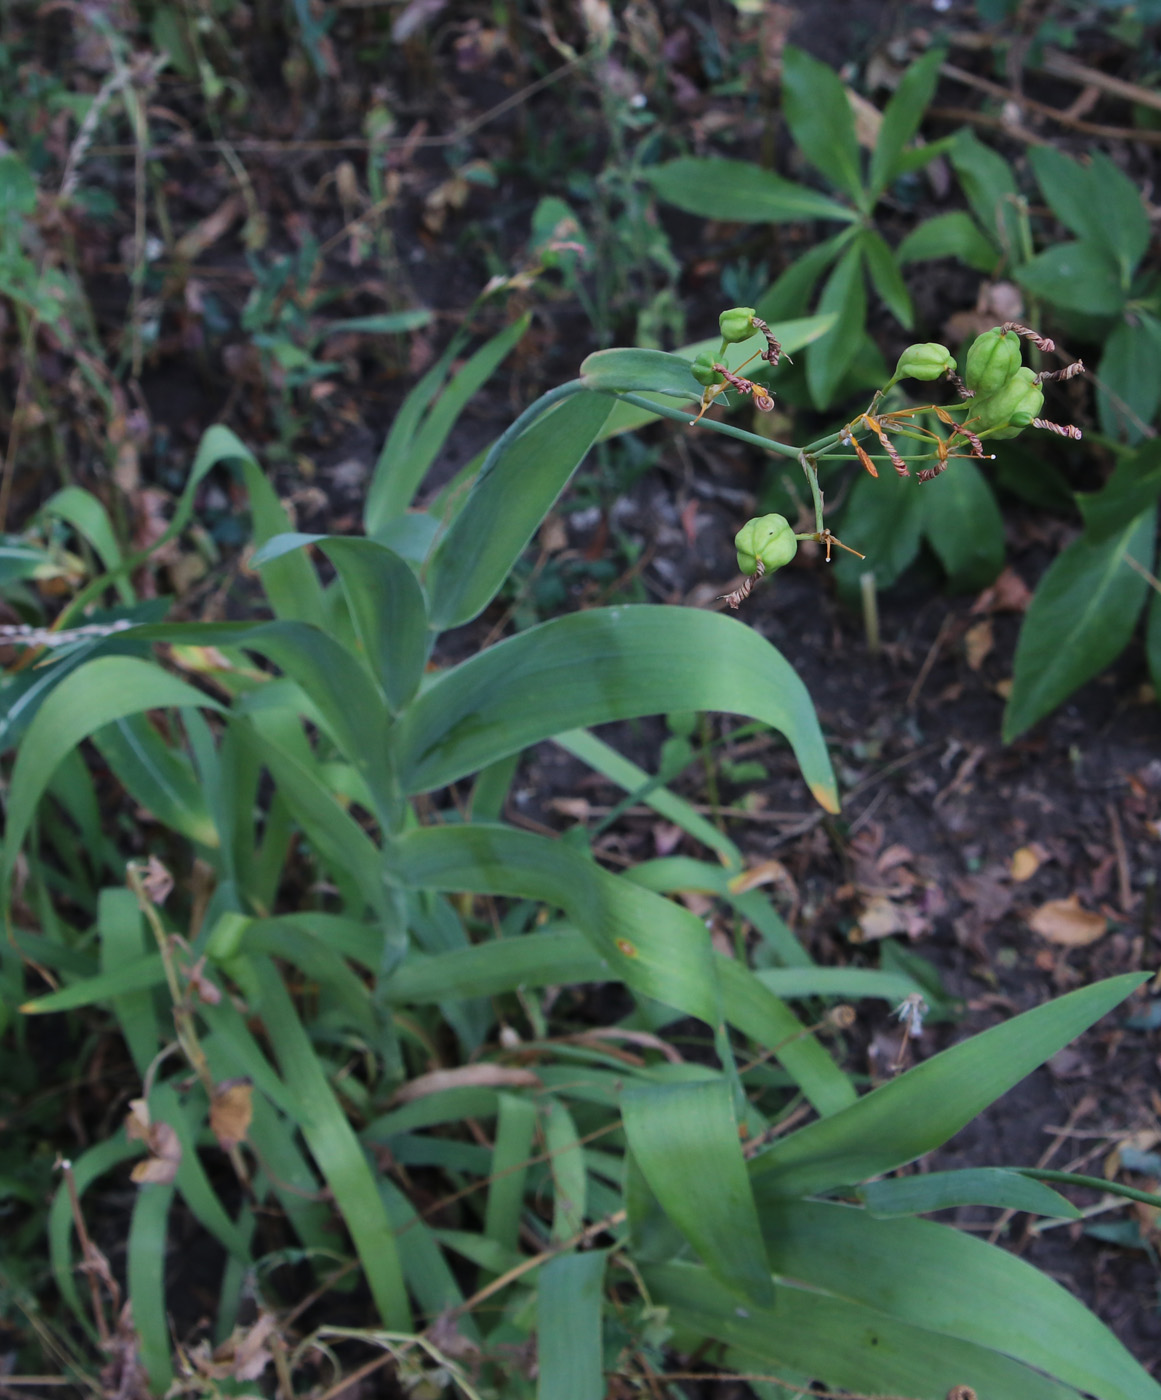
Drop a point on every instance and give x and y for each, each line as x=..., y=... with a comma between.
x=845, y=1345
x=924, y=1107
x=596, y=666
x=844, y=297
x=106, y=690
x=978, y=1186
x=386, y=603
x=1080, y=618
x=1128, y=381
x=1068, y=188
x=886, y=277
x=684, y=1137
x=159, y=778
x=740, y=192
x=1133, y=487
x=85, y=513
x=656, y=947
x=1080, y=276
x=639, y=371
x=990, y=188
x=952, y=235
x=950, y=1282
x=883, y=519
x=568, y=1327
x=1124, y=222
x=901, y=118
x=819, y=115
x=505, y=506
x=963, y=525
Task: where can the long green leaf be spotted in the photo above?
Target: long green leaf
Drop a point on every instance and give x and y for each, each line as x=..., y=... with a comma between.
x=147, y=1253
x=952, y=235
x=843, y=1344
x=85, y=513
x=420, y=430
x=974, y=1186
x=500, y=965
x=901, y=118
x=845, y=297
x=122, y=931
x=568, y=1327
x=819, y=115
x=1080, y=618
x=505, y=506
x=601, y=665
x=654, y=946
x=386, y=603
x=102, y=692
x=337, y=1150
x=740, y=192
x=947, y=1281
x=921, y=1109
x=159, y=778
x=963, y=524
x=684, y=1137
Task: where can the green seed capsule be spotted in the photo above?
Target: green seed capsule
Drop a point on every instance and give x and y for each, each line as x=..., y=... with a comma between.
x=737, y=324
x=1010, y=410
x=927, y=361
x=768, y=538
x=703, y=369
x=992, y=360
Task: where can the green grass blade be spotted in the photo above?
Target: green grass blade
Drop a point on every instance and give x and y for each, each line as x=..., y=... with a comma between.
x=336, y=1149
x=568, y=1327
x=606, y=760
x=555, y=959
x=89, y=518
x=147, y=1251
x=921, y=1109
x=138, y=975
x=159, y=778
x=123, y=942
x=684, y=1137
x=515, y=1129
x=653, y=945
x=600, y=665
x=567, y=1168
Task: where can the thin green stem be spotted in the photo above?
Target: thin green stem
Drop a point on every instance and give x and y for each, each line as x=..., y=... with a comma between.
x=807, y=463
x=532, y=412
x=782, y=449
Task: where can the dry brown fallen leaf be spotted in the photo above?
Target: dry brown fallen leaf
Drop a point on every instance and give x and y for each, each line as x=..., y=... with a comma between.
x=1065, y=923
x=1024, y=863
x=977, y=643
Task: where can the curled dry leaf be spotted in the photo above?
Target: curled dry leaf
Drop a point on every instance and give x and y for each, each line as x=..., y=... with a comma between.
x=231, y=1110
x=977, y=643
x=485, y=1076
x=160, y=1167
x=1065, y=923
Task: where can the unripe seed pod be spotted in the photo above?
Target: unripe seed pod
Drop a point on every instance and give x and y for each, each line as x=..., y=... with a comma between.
x=768, y=538
x=737, y=324
x=992, y=360
x=1010, y=410
x=703, y=369
x=927, y=361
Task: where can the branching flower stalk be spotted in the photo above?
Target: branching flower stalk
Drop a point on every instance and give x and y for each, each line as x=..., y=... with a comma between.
x=998, y=398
